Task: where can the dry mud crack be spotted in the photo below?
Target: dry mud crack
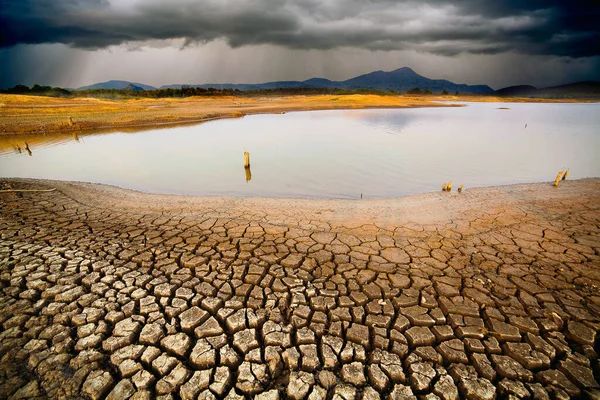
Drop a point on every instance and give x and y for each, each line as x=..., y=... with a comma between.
x=107, y=293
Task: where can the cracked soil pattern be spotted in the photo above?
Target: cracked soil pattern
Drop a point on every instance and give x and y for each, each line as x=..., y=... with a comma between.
x=107, y=293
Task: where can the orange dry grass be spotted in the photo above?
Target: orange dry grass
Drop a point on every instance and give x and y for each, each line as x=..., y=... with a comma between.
x=43, y=115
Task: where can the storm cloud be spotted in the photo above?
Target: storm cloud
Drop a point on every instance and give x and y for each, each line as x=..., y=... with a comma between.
x=556, y=28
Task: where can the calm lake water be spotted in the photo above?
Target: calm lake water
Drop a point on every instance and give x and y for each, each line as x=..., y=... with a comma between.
x=331, y=154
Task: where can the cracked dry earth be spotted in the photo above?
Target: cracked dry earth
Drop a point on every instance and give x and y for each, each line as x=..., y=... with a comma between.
x=121, y=299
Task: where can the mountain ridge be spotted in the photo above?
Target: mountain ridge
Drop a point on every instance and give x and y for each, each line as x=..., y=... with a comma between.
x=401, y=79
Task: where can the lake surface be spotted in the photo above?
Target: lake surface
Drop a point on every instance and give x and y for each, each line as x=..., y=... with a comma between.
x=330, y=154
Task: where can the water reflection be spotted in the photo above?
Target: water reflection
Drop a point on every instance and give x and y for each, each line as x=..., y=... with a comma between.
x=336, y=154
x=10, y=142
x=391, y=123
x=20, y=143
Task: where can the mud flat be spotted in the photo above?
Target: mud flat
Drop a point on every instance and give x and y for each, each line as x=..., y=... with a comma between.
x=109, y=292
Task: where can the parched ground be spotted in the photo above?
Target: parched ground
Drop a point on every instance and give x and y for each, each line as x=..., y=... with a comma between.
x=117, y=294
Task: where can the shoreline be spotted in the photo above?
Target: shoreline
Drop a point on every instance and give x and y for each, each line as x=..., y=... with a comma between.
x=40, y=116
x=134, y=128
x=384, y=213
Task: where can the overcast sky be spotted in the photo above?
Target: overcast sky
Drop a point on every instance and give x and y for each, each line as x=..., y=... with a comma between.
x=70, y=43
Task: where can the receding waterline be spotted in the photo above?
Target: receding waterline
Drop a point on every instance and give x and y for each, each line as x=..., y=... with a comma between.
x=330, y=154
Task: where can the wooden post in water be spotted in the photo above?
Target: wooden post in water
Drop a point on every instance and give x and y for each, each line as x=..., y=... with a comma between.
x=460, y=188
x=566, y=174
x=444, y=186
x=247, y=166
x=558, y=178
x=450, y=186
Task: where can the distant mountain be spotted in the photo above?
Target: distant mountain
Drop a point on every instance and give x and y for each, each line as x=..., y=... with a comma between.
x=402, y=80
x=586, y=89
x=119, y=85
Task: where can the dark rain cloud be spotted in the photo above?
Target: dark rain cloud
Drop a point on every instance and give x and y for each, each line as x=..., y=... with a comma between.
x=562, y=28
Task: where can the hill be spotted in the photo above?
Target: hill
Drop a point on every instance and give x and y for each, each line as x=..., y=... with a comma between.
x=119, y=85
x=404, y=79
x=580, y=90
